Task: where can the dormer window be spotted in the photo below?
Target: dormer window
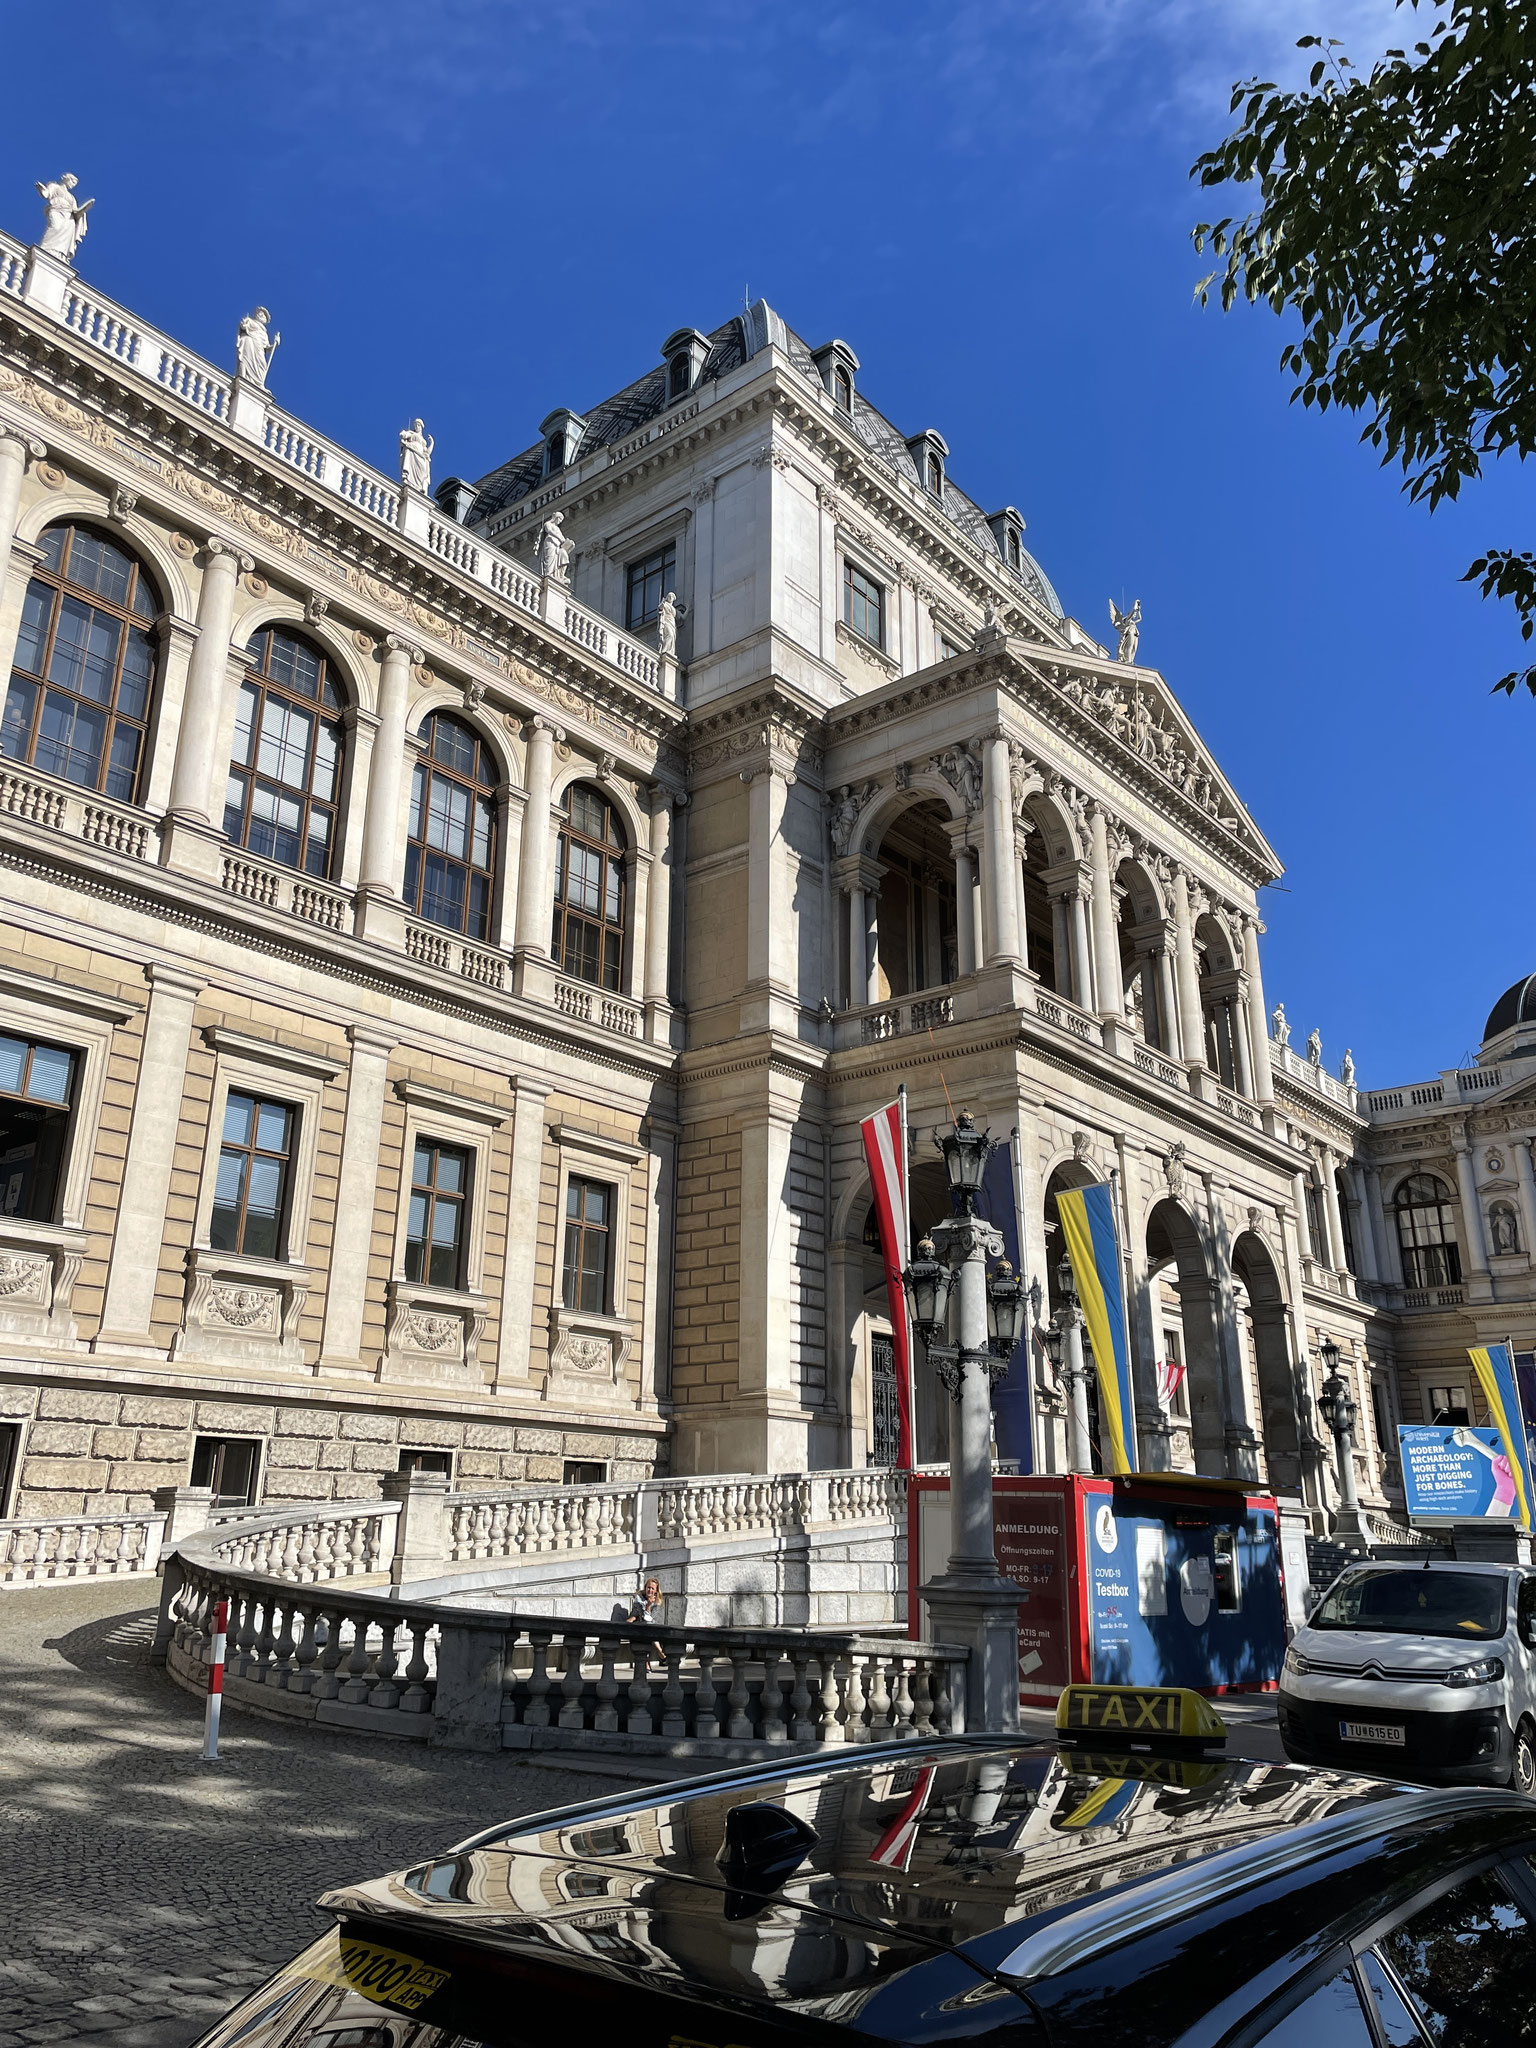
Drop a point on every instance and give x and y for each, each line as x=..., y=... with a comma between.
x=684, y=354
x=562, y=433
x=1008, y=531
x=837, y=366
x=929, y=451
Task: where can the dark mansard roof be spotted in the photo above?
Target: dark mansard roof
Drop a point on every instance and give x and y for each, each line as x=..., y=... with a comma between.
x=736, y=342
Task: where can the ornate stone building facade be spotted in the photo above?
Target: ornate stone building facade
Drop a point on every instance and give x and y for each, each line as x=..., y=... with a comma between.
x=449, y=940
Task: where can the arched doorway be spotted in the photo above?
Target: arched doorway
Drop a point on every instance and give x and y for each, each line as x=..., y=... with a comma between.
x=916, y=935
x=1261, y=1308
x=1173, y=1242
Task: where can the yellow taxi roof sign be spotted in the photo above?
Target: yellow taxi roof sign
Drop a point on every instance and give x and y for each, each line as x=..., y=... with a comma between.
x=1138, y=1713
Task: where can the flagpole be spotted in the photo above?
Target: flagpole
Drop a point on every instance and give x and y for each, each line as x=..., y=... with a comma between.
x=1123, y=1225
x=906, y=1260
x=1016, y=1156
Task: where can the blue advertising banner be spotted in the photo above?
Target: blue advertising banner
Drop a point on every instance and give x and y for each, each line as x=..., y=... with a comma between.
x=1455, y=1473
x=1013, y=1417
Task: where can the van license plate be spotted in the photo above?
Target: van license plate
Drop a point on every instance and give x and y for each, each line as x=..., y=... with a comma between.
x=1373, y=1731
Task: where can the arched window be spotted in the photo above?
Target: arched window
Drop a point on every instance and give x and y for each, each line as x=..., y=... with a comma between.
x=588, y=938
x=78, y=702
x=450, y=856
x=1426, y=1232
x=284, y=774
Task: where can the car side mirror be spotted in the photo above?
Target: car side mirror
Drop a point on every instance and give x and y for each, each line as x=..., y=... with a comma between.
x=1527, y=1626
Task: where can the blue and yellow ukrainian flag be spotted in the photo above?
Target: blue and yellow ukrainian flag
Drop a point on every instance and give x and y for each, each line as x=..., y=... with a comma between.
x=1495, y=1370
x=1088, y=1218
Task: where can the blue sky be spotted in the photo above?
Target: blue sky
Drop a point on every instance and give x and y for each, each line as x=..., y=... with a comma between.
x=483, y=209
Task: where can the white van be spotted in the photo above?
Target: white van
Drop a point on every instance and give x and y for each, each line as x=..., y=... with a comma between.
x=1418, y=1671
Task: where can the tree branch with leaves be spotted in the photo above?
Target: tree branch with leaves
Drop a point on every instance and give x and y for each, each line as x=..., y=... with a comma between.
x=1397, y=220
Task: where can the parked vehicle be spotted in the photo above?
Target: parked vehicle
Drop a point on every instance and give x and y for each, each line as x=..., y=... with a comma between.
x=1426, y=1671
x=1018, y=1893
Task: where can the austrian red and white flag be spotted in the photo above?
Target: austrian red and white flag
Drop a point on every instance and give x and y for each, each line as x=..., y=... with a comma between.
x=885, y=1150
x=893, y=1851
x=1168, y=1376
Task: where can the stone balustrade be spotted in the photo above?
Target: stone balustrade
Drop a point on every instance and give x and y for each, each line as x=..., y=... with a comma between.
x=318, y=1652
x=80, y=1547
x=327, y=469
x=348, y=1541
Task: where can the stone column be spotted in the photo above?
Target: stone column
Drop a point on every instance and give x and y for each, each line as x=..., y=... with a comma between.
x=858, y=943
x=965, y=908
x=1082, y=954
x=999, y=905
x=1476, y=1254
x=1062, y=945
x=128, y=1306
x=189, y=838
x=534, y=897
x=658, y=907
x=346, y=1293
x=1299, y=1185
x=770, y=1000
x=530, y=1094
x=660, y=1260
x=1367, y=1250
x=1167, y=1000
x=1106, y=932
x=1191, y=1017
x=1522, y=1151
x=1258, y=1019
x=1237, y=1026
x=16, y=449
x=379, y=910
x=1388, y=1249
x=1328, y=1168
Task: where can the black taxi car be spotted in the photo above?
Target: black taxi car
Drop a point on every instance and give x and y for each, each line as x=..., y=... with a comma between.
x=1104, y=1889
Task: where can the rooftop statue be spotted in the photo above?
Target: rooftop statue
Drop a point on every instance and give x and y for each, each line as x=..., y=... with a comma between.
x=1128, y=626
x=552, y=551
x=1282, y=1029
x=64, y=222
x=416, y=457
x=1347, y=1069
x=668, y=612
x=255, y=348
x=1315, y=1048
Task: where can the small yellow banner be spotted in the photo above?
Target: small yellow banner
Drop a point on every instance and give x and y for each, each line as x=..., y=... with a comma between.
x=387, y=1977
x=1138, y=1710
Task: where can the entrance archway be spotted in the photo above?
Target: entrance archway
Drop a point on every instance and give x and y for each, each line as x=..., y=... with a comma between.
x=1173, y=1240
x=1264, y=1318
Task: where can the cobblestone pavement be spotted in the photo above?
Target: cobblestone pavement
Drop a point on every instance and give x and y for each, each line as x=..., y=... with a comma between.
x=143, y=1890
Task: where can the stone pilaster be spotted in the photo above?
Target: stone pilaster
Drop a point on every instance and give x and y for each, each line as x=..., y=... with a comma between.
x=189, y=836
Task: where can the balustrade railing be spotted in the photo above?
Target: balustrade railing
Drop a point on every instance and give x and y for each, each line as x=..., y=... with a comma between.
x=108, y=329
x=79, y=1547
x=38, y=801
x=338, y=1541
x=421, y=1668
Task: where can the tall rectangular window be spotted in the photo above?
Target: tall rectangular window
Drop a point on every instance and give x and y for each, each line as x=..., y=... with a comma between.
x=37, y=1087
x=863, y=605
x=434, y=1237
x=250, y=1197
x=588, y=1239
x=646, y=584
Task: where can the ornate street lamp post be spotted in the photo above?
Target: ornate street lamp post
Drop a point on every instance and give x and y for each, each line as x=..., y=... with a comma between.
x=1069, y=1321
x=969, y=1325
x=1337, y=1406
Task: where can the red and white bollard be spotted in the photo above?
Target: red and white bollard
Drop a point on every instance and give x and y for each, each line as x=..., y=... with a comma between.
x=215, y=1683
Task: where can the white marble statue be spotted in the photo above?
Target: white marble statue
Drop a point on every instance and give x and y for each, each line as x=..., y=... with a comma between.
x=668, y=612
x=416, y=457
x=254, y=348
x=1315, y=1048
x=552, y=551
x=1282, y=1029
x=64, y=221
x=1347, y=1068
x=1128, y=626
